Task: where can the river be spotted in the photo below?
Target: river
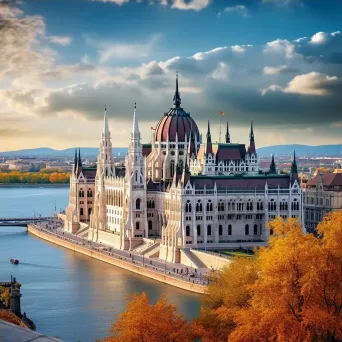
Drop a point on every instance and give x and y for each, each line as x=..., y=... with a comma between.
x=67, y=295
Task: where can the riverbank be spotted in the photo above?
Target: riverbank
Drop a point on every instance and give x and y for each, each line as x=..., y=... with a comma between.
x=111, y=258
x=36, y=185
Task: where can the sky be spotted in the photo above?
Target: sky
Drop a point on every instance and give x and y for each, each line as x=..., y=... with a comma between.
x=276, y=62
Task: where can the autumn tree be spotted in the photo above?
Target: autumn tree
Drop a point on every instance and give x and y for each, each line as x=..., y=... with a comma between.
x=294, y=292
x=7, y=316
x=146, y=322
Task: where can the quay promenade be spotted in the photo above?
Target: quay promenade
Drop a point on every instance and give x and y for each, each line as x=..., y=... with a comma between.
x=179, y=276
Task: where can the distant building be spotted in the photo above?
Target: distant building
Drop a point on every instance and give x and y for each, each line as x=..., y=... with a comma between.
x=25, y=165
x=323, y=194
x=59, y=166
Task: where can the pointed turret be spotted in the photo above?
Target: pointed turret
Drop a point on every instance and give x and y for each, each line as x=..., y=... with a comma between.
x=176, y=98
x=79, y=158
x=186, y=173
x=251, y=139
x=294, y=168
x=105, y=123
x=273, y=166
x=135, y=121
x=227, y=135
x=75, y=161
x=209, y=147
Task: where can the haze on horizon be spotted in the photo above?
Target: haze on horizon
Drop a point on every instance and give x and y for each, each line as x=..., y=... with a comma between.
x=276, y=61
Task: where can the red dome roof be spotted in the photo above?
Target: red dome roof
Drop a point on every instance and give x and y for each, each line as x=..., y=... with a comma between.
x=176, y=122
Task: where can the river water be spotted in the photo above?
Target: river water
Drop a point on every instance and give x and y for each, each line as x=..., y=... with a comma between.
x=68, y=295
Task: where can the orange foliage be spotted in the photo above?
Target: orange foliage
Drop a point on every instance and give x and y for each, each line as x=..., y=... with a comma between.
x=7, y=316
x=41, y=177
x=142, y=321
x=292, y=293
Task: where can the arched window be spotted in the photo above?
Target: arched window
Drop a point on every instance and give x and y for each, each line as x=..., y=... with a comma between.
x=138, y=204
x=136, y=176
x=198, y=230
x=187, y=231
x=199, y=206
x=246, y=229
x=209, y=206
x=172, y=168
x=271, y=231
x=137, y=225
x=188, y=207
x=229, y=229
x=149, y=225
x=220, y=229
x=255, y=229
x=81, y=211
x=209, y=230
x=152, y=205
x=148, y=204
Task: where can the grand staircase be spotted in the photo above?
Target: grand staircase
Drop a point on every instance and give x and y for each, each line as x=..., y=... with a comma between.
x=197, y=263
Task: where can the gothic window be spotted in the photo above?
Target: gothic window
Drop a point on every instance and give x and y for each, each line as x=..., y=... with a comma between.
x=272, y=206
x=187, y=231
x=136, y=176
x=271, y=231
x=149, y=225
x=209, y=230
x=172, y=168
x=137, y=225
x=221, y=206
x=220, y=229
x=199, y=206
x=229, y=229
x=148, y=204
x=246, y=229
x=188, y=207
x=255, y=229
x=152, y=205
x=295, y=205
x=81, y=211
x=198, y=230
x=138, y=204
x=209, y=206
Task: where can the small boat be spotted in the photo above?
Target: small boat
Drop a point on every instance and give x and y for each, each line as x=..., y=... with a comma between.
x=14, y=261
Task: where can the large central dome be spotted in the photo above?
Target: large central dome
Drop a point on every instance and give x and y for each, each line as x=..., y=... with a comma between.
x=176, y=122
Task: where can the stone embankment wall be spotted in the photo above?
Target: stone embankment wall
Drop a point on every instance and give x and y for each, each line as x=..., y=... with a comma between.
x=139, y=269
x=211, y=260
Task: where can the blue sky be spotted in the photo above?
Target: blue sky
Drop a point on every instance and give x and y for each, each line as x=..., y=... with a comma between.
x=247, y=58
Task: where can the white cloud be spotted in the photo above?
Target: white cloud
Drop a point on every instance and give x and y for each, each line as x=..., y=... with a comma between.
x=195, y=5
x=313, y=83
x=282, y=69
x=117, y=2
x=60, y=40
x=238, y=9
x=280, y=46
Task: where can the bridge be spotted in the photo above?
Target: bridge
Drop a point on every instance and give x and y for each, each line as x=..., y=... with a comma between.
x=21, y=222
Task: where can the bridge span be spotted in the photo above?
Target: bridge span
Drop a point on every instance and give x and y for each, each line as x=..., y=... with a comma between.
x=21, y=222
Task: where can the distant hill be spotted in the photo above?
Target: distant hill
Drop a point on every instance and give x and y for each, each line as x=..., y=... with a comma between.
x=302, y=150
x=45, y=152
x=91, y=152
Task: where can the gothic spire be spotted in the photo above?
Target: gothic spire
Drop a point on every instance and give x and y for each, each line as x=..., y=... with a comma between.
x=176, y=98
x=135, y=120
x=294, y=168
x=79, y=158
x=209, y=144
x=105, y=123
x=227, y=135
x=251, y=140
x=273, y=166
x=75, y=160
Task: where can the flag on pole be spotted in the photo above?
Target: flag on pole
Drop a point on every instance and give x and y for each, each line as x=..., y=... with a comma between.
x=153, y=129
x=221, y=113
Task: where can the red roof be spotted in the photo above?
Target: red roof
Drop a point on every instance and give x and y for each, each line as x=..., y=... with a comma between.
x=329, y=179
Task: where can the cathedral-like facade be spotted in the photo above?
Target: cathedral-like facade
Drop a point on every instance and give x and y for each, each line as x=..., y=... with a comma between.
x=181, y=190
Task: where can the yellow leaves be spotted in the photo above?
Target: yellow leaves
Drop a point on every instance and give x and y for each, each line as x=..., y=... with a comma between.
x=14, y=177
x=293, y=291
x=145, y=322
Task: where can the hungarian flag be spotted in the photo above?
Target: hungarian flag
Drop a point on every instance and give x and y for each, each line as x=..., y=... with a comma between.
x=153, y=129
x=221, y=113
